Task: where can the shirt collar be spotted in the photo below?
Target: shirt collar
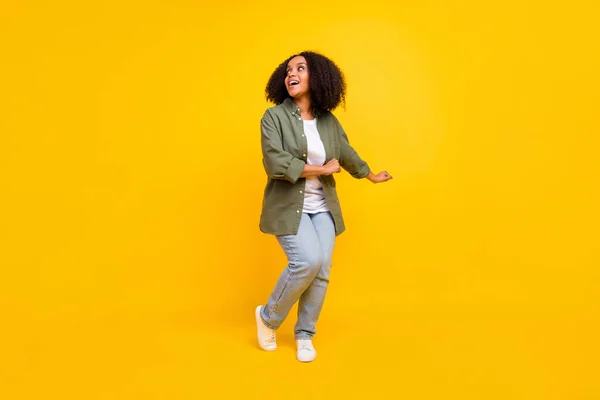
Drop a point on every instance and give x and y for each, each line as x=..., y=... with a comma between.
x=293, y=109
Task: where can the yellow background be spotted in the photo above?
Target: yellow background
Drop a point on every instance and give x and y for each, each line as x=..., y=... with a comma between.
x=131, y=184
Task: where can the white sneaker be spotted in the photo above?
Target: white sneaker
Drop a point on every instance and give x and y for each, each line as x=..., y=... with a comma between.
x=306, y=352
x=266, y=336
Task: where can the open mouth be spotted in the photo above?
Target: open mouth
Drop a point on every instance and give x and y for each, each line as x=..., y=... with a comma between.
x=293, y=83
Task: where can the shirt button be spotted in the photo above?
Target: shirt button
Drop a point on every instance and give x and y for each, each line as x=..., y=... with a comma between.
x=301, y=191
x=302, y=135
x=298, y=211
x=303, y=155
x=299, y=118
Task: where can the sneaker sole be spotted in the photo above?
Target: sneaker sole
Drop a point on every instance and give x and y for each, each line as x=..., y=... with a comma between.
x=306, y=361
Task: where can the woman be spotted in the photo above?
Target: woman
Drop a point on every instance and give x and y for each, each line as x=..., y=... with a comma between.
x=303, y=145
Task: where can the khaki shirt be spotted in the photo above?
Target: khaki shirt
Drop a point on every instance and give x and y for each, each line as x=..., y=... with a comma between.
x=284, y=149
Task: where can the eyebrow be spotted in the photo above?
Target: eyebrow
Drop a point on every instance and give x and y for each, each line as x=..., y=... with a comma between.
x=300, y=63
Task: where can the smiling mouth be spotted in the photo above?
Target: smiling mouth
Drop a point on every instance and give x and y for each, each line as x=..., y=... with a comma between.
x=293, y=83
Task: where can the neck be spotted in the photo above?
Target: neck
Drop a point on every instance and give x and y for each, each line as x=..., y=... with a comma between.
x=305, y=105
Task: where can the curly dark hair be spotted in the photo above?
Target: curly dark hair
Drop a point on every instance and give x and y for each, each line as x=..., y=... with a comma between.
x=326, y=82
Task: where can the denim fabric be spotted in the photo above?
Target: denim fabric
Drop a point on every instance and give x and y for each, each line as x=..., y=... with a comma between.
x=306, y=276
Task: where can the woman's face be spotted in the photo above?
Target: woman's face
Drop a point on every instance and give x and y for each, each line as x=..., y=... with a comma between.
x=296, y=79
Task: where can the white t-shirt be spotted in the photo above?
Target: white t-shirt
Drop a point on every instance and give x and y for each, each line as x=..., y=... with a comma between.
x=314, y=199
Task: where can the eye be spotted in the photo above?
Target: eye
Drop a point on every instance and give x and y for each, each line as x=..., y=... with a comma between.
x=300, y=68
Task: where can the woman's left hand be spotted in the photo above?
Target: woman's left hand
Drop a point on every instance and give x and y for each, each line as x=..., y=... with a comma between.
x=380, y=177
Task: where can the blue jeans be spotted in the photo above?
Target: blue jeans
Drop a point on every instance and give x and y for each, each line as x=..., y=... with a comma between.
x=306, y=276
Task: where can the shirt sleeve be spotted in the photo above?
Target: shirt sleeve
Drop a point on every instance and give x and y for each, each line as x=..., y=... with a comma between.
x=349, y=159
x=279, y=164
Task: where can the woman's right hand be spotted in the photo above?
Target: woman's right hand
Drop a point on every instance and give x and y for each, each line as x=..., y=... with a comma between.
x=332, y=167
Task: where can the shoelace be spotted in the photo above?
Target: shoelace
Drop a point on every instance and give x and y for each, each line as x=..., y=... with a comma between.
x=271, y=338
x=305, y=345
